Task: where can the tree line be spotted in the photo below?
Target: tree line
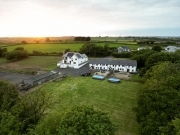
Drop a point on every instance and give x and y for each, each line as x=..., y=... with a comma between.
x=97, y=50
x=82, y=38
x=157, y=110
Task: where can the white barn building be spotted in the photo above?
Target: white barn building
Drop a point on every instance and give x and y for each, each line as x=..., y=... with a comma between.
x=172, y=48
x=116, y=65
x=73, y=60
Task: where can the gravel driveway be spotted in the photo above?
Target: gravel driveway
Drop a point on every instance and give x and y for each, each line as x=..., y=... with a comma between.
x=14, y=78
x=74, y=72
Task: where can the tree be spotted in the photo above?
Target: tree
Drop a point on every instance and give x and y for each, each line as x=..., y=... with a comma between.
x=2, y=50
x=95, y=50
x=158, y=101
x=141, y=57
x=157, y=48
x=19, y=114
x=32, y=108
x=23, y=42
x=9, y=123
x=85, y=120
x=88, y=39
x=19, y=48
x=8, y=96
x=176, y=124
x=16, y=55
x=47, y=40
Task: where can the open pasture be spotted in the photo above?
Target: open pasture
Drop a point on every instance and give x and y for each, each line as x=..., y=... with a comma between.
x=47, y=47
x=32, y=63
x=61, y=47
x=116, y=99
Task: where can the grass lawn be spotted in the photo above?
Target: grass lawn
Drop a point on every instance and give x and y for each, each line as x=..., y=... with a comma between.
x=116, y=99
x=33, y=63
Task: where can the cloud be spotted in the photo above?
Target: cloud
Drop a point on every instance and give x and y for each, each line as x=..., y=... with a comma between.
x=94, y=15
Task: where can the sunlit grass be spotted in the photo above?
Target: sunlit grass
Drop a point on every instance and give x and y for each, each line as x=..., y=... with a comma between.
x=47, y=47
x=116, y=99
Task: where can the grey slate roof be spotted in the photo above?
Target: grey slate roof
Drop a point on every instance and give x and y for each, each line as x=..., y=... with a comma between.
x=114, y=62
x=78, y=55
x=70, y=54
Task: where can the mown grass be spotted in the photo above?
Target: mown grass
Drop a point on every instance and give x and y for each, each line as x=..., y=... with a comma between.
x=116, y=99
x=33, y=63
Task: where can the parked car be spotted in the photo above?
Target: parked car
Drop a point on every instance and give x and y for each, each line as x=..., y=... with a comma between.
x=86, y=74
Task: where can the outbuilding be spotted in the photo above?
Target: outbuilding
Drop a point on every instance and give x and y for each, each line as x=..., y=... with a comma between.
x=39, y=79
x=115, y=65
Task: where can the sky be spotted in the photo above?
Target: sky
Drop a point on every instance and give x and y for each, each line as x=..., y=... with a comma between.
x=54, y=18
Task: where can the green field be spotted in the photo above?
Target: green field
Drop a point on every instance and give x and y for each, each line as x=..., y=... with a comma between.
x=47, y=47
x=61, y=47
x=32, y=63
x=116, y=99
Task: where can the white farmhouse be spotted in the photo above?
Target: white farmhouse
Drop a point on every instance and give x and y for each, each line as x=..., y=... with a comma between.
x=123, y=49
x=116, y=65
x=172, y=48
x=73, y=60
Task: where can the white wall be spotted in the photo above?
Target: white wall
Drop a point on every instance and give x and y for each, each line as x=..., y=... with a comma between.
x=116, y=67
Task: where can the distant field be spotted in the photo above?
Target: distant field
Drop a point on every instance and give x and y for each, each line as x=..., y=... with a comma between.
x=132, y=46
x=116, y=99
x=120, y=39
x=47, y=47
x=61, y=47
x=33, y=63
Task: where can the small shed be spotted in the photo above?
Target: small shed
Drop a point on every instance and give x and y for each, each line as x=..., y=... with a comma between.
x=39, y=79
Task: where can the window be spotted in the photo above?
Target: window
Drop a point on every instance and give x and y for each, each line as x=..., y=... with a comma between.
x=74, y=62
x=75, y=59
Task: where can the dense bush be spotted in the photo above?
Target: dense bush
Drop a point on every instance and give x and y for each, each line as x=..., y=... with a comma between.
x=95, y=50
x=19, y=114
x=158, y=101
x=16, y=55
x=82, y=39
x=157, y=48
x=23, y=42
x=122, y=55
x=85, y=120
x=2, y=51
x=38, y=53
